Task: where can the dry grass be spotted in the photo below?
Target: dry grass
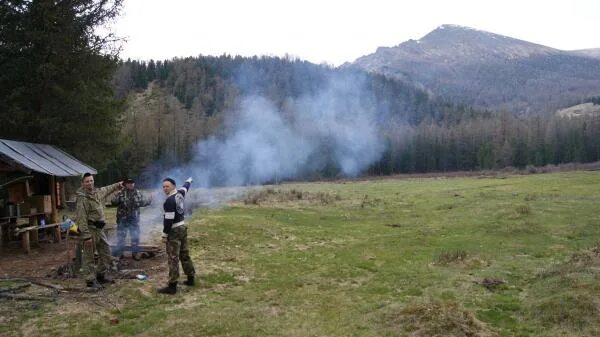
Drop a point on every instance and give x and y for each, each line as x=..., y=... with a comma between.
x=573, y=304
x=269, y=196
x=434, y=318
x=583, y=261
x=451, y=257
x=572, y=312
x=523, y=210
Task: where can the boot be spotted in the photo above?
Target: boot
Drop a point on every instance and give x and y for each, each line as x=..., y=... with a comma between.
x=93, y=284
x=104, y=279
x=190, y=281
x=170, y=289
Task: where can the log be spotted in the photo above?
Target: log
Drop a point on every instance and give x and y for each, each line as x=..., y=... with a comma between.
x=33, y=281
x=26, y=297
x=47, y=285
x=141, y=248
x=83, y=289
x=24, y=229
x=55, y=287
x=19, y=287
x=130, y=273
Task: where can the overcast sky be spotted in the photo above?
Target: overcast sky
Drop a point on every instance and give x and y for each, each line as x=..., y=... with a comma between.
x=336, y=31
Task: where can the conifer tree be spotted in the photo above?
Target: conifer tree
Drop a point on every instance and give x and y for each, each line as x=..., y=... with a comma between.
x=55, y=84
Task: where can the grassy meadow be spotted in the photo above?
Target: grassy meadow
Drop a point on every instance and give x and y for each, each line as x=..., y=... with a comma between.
x=489, y=256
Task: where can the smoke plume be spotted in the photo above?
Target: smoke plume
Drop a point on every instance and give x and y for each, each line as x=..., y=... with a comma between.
x=333, y=130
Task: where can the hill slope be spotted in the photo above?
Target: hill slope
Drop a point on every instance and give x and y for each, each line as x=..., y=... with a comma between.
x=490, y=70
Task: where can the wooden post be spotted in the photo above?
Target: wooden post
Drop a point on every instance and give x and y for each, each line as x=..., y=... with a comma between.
x=3, y=234
x=53, y=196
x=56, y=232
x=34, y=236
x=25, y=242
x=61, y=195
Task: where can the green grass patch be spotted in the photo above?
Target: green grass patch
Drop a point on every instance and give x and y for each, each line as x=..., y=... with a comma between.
x=418, y=257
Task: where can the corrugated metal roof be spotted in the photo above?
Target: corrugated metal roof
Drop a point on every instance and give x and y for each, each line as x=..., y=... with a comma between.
x=42, y=158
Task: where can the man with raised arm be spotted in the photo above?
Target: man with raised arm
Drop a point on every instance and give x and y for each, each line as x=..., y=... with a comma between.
x=91, y=222
x=175, y=235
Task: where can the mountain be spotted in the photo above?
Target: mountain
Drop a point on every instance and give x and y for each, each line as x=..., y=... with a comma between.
x=585, y=109
x=490, y=71
x=595, y=52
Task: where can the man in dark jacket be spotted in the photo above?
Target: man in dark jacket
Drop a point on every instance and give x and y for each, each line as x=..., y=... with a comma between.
x=128, y=202
x=175, y=234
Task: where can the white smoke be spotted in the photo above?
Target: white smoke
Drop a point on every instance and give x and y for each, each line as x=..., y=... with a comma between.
x=263, y=144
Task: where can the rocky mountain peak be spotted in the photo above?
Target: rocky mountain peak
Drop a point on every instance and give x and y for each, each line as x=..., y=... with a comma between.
x=460, y=42
x=490, y=70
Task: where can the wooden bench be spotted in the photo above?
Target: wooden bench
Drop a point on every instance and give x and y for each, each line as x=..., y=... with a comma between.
x=55, y=227
x=29, y=234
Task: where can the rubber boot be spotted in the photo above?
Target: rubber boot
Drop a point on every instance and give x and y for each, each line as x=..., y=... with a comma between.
x=104, y=279
x=93, y=284
x=170, y=289
x=190, y=281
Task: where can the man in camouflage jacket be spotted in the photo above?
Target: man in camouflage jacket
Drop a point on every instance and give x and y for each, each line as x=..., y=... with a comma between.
x=128, y=202
x=91, y=221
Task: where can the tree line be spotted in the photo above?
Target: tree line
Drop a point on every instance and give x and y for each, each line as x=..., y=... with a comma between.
x=422, y=134
x=494, y=142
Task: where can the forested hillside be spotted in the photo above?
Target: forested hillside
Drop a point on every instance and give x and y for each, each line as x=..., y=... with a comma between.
x=176, y=104
x=491, y=71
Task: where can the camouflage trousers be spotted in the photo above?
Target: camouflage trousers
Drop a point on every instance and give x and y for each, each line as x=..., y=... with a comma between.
x=177, y=250
x=133, y=227
x=89, y=268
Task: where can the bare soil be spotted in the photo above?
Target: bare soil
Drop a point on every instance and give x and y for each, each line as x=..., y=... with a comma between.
x=43, y=268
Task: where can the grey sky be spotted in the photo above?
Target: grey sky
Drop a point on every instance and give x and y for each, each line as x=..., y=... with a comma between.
x=338, y=31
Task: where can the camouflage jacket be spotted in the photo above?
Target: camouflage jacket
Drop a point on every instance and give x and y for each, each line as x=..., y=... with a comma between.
x=128, y=204
x=90, y=207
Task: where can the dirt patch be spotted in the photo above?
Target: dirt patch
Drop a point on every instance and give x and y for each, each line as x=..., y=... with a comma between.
x=459, y=258
x=431, y=319
x=491, y=283
x=47, y=258
x=39, y=263
x=271, y=196
x=62, y=294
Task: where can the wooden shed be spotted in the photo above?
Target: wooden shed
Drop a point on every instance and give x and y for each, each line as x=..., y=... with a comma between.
x=32, y=188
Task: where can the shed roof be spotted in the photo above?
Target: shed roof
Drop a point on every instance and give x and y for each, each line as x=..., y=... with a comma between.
x=42, y=158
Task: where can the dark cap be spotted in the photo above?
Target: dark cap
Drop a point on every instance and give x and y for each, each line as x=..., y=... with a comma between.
x=128, y=180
